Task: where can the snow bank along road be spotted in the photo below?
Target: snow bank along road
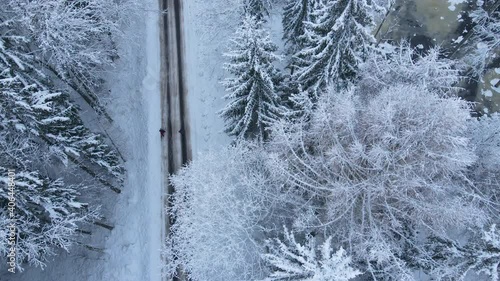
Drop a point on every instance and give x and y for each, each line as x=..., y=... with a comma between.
x=176, y=148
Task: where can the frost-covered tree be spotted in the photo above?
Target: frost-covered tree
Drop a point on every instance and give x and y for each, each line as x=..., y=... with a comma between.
x=480, y=255
x=384, y=160
x=339, y=39
x=257, y=8
x=254, y=101
x=290, y=260
x=74, y=37
x=484, y=42
x=403, y=65
x=485, y=139
x=221, y=218
x=399, y=65
x=485, y=135
x=373, y=166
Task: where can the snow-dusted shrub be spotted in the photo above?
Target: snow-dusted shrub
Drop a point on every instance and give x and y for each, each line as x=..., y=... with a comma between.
x=222, y=206
x=290, y=260
x=375, y=165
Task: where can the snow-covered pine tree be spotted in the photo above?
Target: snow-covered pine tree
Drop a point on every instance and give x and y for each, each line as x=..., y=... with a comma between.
x=40, y=130
x=63, y=129
x=339, y=39
x=75, y=40
x=254, y=101
x=290, y=260
x=257, y=8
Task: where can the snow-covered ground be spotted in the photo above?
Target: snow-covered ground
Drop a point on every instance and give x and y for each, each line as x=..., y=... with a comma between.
x=132, y=249
x=208, y=25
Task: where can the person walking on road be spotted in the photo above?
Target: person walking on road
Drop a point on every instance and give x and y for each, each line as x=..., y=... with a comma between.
x=162, y=132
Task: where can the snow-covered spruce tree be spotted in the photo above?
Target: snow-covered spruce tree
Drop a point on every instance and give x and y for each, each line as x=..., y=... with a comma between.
x=257, y=8
x=290, y=260
x=47, y=212
x=47, y=215
x=254, y=101
x=376, y=165
x=50, y=116
x=221, y=218
x=339, y=40
x=295, y=15
x=70, y=138
x=480, y=255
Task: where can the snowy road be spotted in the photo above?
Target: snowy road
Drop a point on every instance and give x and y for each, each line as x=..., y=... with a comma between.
x=175, y=121
x=176, y=149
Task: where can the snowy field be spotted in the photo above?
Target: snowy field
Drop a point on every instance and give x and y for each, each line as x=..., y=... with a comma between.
x=132, y=249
